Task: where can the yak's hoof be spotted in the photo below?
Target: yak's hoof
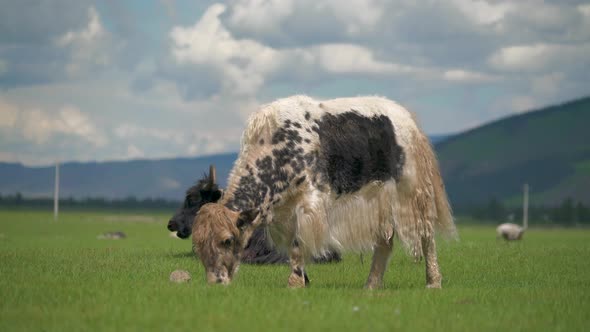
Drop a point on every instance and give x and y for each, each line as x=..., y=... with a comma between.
x=373, y=285
x=296, y=281
x=434, y=285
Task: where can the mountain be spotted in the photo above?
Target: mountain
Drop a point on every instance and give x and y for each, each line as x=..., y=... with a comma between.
x=437, y=139
x=549, y=149
x=167, y=178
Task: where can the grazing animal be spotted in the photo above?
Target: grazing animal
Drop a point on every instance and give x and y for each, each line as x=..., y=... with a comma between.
x=204, y=191
x=345, y=173
x=510, y=232
x=258, y=250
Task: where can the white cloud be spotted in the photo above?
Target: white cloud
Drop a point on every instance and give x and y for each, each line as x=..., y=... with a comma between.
x=358, y=15
x=267, y=17
x=584, y=9
x=482, y=11
x=39, y=126
x=8, y=114
x=88, y=47
x=131, y=131
x=244, y=63
x=350, y=58
x=93, y=31
x=259, y=16
x=539, y=56
x=460, y=75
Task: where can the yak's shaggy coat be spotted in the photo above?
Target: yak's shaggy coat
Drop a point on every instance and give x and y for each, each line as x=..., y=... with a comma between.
x=344, y=174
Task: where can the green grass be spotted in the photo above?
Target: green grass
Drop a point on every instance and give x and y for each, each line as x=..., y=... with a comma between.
x=57, y=276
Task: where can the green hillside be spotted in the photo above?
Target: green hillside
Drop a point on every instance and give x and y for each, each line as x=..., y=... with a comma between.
x=548, y=148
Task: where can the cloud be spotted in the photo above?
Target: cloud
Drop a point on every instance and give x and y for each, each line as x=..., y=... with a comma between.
x=169, y=78
x=39, y=126
x=90, y=47
x=540, y=56
x=290, y=22
x=483, y=12
x=350, y=58
x=8, y=114
x=243, y=63
x=460, y=75
x=584, y=9
x=259, y=16
x=131, y=131
x=90, y=33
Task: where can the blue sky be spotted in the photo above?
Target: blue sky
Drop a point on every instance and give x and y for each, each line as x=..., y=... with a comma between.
x=115, y=80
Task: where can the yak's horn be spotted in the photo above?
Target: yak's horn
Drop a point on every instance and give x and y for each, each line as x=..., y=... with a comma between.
x=212, y=175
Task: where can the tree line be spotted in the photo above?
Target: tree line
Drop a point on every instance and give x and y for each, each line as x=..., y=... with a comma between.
x=18, y=201
x=568, y=213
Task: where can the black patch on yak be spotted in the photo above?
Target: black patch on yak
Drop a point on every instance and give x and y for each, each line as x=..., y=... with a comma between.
x=275, y=172
x=298, y=272
x=307, y=116
x=261, y=141
x=300, y=181
x=356, y=150
x=284, y=134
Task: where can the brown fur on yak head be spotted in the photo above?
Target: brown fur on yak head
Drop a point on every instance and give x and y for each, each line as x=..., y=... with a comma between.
x=219, y=238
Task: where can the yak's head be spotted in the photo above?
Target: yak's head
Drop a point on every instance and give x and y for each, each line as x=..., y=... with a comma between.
x=205, y=191
x=219, y=238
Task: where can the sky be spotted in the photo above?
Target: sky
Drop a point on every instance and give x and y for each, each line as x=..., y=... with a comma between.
x=115, y=80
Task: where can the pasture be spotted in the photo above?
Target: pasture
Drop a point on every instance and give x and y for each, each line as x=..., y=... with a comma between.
x=57, y=276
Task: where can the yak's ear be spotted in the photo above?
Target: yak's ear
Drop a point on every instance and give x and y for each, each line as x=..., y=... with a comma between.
x=247, y=218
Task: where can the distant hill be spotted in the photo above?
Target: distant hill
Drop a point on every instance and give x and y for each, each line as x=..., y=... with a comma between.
x=167, y=178
x=548, y=148
x=436, y=139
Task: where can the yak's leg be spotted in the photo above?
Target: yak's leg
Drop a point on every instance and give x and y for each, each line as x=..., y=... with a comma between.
x=381, y=255
x=298, y=277
x=433, y=276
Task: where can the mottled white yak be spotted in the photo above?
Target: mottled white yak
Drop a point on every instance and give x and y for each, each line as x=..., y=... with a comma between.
x=343, y=174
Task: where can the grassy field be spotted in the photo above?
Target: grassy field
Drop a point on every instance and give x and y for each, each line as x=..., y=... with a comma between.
x=57, y=276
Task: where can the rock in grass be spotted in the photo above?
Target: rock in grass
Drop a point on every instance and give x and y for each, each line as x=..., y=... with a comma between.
x=112, y=236
x=180, y=276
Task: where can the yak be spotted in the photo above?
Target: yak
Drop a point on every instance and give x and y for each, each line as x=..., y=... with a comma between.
x=259, y=249
x=347, y=173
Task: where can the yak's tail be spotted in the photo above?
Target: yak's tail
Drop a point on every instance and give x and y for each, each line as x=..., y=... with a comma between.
x=444, y=223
